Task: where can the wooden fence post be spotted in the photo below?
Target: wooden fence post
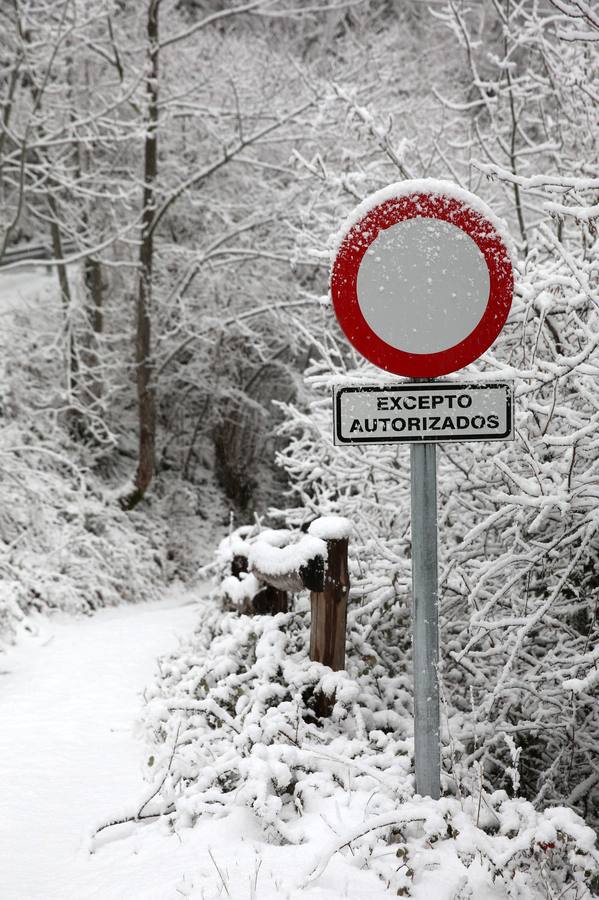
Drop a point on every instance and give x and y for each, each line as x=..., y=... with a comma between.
x=269, y=601
x=329, y=616
x=239, y=564
x=301, y=565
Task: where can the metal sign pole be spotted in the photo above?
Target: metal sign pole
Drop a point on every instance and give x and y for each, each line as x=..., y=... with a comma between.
x=425, y=600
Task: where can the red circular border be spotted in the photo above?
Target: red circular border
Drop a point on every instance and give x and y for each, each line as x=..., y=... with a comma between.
x=344, y=278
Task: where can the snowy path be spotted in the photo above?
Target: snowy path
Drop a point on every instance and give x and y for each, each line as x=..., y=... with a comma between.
x=69, y=701
x=68, y=757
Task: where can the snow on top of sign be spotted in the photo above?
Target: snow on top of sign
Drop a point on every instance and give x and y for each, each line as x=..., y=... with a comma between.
x=330, y=528
x=283, y=560
x=434, y=187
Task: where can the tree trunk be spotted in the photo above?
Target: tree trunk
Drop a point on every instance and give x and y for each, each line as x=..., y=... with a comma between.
x=146, y=400
x=65, y=296
x=95, y=291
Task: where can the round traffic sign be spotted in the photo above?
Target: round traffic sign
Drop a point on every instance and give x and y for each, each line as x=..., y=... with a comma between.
x=422, y=281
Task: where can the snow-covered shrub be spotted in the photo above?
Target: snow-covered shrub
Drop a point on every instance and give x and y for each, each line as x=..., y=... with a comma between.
x=64, y=542
x=238, y=703
x=486, y=847
x=232, y=724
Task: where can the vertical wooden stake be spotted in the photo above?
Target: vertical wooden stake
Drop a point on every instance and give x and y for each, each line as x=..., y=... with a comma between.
x=329, y=616
x=425, y=599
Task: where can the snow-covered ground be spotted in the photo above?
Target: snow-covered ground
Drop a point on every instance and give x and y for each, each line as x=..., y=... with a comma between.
x=70, y=698
x=28, y=295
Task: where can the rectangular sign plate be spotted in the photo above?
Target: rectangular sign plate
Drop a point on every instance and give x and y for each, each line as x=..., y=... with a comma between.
x=414, y=412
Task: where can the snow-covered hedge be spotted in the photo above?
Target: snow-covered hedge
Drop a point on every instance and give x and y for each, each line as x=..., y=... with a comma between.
x=232, y=724
x=64, y=542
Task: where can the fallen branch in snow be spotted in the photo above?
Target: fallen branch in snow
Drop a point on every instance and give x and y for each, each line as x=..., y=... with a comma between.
x=385, y=821
x=167, y=770
x=138, y=817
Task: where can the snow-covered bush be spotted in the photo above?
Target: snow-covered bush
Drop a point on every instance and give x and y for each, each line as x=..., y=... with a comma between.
x=64, y=543
x=232, y=724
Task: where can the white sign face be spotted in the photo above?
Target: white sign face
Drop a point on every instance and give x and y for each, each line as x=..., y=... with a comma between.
x=417, y=412
x=423, y=285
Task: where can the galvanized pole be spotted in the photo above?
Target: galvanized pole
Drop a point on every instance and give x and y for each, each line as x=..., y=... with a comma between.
x=425, y=606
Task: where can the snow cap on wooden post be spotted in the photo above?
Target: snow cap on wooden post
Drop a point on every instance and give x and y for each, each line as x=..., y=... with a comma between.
x=331, y=528
x=282, y=567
